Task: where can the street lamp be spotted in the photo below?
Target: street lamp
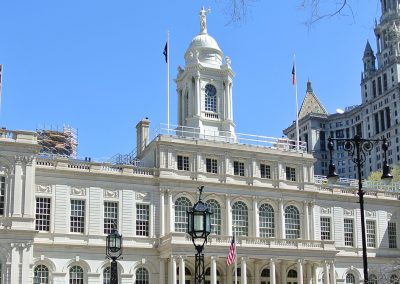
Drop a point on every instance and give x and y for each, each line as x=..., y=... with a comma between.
x=358, y=148
x=113, y=252
x=199, y=227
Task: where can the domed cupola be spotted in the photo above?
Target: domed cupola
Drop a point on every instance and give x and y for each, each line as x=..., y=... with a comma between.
x=203, y=48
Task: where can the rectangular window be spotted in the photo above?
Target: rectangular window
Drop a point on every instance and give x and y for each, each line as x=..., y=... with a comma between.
x=374, y=88
x=348, y=232
x=77, y=218
x=265, y=171
x=385, y=83
x=379, y=85
x=43, y=206
x=142, y=219
x=183, y=163
x=110, y=216
x=371, y=233
x=238, y=168
x=392, y=234
x=211, y=166
x=325, y=228
x=290, y=174
x=2, y=195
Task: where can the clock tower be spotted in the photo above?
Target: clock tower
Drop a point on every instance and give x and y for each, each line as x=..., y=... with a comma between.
x=204, y=88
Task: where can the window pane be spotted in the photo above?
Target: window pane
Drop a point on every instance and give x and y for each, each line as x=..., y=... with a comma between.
x=142, y=219
x=215, y=208
x=325, y=228
x=110, y=216
x=2, y=194
x=238, y=168
x=107, y=275
x=77, y=219
x=292, y=222
x=350, y=279
x=42, y=222
x=182, y=205
x=370, y=229
x=183, y=163
x=142, y=276
x=211, y=166
x=76, y=275
x=240, y=219
x=40, y=275
x=392, y=234
x=267, y=221
x=265, y=171
x=348, y=232
x=290, y=174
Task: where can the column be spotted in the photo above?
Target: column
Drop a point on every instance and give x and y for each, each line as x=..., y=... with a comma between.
x=299, y=271
x=228, y=215
x=29, y=189
x=170, y=213
x=17, y=210
x=180, y=98
x=172, y=270
x=309, y=275
x=230, y=102
x=332, y=274
x=306, y=221
x=272, y=271
x=256, y=228
x=281, y=218
x=257, y=272
x=315, y=274
x=162, y=271
x=214, y=269
x=197, y=95
x=326, y=273
x=226, y=100
x=283, y=272
x=26, y=274
x=15, y=263
x=181, y=269
x=162, y=213
x=243, y=268
x=312, y=221
x=229, y=274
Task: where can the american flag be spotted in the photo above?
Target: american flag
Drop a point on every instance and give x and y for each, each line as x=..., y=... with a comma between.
x=232, y=252
x=294, y=75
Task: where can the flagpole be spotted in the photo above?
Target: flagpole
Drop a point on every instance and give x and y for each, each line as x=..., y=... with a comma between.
x=297, y=105
x=168, y=50
x=234, y=236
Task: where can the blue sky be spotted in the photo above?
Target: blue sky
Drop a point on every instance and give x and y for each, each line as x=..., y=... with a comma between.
x=98, y=66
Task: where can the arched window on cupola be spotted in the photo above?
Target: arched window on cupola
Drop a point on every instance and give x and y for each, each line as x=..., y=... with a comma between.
x=210, y=98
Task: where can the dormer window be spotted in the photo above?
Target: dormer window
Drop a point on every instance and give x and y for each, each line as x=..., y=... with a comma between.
x=211, y=98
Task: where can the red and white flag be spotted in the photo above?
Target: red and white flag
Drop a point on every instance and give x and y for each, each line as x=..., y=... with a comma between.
x=294, y=74
x=232, y=252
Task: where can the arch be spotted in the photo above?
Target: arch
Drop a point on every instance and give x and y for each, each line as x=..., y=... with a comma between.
x=292, y=222
x=182, y=205
x=82, y=263
x=350, y=278
x=271, y=202
x=45, y=261
x=394, y=279
x=149, y=265
x=6, y=162
x=106, y=263
x=41, y=274
x=142, y=276
x=240, y=218
x=352, y=270
x=266, y=215
x=372, y=279
x=210, y=98
x=216, y=217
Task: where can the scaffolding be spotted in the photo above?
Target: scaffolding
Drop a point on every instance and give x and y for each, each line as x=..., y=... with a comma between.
x=58, y=142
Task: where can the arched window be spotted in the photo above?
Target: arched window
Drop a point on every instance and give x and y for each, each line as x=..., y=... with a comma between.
x=76, y=275
x=267, y=221
x=372, y=279
x=142, y=276
x=215, y=208
x=350, y=279
x=240, y=219
x=211, y=98
x=107, y=275
x=394, y=279
x=40, y=275
x=292, y=273
x=182, y=205
x=292, y=222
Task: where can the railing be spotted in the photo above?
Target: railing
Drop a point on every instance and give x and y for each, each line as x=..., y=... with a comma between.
x=229, y=137
x=217, y=240
x=366, y=184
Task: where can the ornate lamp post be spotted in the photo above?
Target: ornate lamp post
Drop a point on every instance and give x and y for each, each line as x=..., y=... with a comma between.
x=199, y=227
x=358, y=148
x=113, y=252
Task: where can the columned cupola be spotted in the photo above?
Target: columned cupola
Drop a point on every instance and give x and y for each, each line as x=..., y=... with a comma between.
x=204, y=87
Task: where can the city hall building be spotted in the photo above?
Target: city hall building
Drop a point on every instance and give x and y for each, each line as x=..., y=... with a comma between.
x=290, y=225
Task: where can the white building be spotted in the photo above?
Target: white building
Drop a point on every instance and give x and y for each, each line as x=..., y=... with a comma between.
x=376, y=117
x=291, y=227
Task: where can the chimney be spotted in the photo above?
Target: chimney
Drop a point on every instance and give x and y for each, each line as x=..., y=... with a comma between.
x=142, y=135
